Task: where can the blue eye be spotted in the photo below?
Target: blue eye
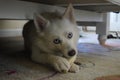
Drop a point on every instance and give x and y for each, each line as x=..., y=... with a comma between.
x=57, y=41
x=69, y=35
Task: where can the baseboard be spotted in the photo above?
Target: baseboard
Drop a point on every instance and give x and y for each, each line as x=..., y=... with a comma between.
x=10, y=32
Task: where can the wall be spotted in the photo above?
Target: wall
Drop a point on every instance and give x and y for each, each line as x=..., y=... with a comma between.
x=114, y=21
x=11, y=27
x=12, y=24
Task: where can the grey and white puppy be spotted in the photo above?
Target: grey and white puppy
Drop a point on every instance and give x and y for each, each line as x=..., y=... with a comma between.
x=52, y=39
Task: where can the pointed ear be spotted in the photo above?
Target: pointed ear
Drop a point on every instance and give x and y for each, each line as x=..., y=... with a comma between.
x=69, y=13
x=40, y=22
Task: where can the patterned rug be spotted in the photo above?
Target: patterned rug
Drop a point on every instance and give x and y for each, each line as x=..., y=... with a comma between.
x=15, y=65
x=19, y=67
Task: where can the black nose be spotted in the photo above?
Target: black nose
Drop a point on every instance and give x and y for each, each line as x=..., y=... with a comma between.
x=71, y=52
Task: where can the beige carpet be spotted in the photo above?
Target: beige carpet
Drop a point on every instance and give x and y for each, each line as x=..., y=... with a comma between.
x=18, y=67
x=15, y=65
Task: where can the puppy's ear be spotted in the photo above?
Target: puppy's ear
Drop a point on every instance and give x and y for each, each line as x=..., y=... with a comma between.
x=69, y=13
x=40, y=22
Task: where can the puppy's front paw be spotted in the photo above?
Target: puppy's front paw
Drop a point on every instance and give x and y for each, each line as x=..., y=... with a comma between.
x=74, y=68
x=61, y=64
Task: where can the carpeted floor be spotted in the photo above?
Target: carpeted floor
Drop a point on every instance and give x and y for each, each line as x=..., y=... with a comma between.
x=15, y=64
x=19, y=67
x=91, y=48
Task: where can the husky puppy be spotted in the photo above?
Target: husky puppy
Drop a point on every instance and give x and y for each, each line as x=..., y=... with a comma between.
x=52, y=39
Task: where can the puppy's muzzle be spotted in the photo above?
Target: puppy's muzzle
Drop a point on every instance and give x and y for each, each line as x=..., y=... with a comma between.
x=71, y=52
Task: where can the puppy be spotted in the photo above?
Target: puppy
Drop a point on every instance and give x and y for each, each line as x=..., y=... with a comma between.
x=52, y=39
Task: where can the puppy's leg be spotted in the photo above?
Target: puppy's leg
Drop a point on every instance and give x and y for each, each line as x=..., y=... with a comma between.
x=74, y=68
x=59, y=63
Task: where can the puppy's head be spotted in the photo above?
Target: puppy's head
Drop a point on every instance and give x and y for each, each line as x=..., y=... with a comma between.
x=59, y=33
